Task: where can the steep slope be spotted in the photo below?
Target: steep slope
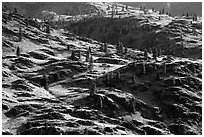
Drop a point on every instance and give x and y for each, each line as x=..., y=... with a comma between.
x=143, y=29
x=48, y=85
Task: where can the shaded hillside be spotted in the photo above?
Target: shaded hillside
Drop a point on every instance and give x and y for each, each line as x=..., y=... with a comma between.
x=144, y=29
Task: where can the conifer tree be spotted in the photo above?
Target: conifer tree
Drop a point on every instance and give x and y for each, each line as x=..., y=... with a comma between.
x=107, y=79
x=90, y=51
x=126, y=7
x=91, y=63
x=87, y=55
x=146, y=54
x=150, y=50
x=18, y=51
x=162, y=11
x=68, y=47
x=164, y=68
x=126, y=49
x=105, y=48
x=79, y=55
x=15, y=11
x=123, y=8
x=20, y=34
x=118, y=75
x=143, y=68
x=195, y=17
x=154, y=53
x=48, y=29
x=187, y=14
x=45, y=82
x=159, y=52
x=92, y=88
x=134, y=80
x=73, y=55
x=158, y=76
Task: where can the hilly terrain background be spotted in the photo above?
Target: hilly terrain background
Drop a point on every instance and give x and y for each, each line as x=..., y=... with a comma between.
x=120, y=71
x=34, y=9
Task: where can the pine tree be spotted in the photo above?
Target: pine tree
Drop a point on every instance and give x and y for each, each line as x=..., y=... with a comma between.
x=195, y=17
x=73, y=55
x=183, y=15
x=18, y=51
x=126, y=7
x=146, y=54
x=108, y=8
x=68, y=47
x=48, y=29
x=154, y=53
x=92, y=88
x=153, y=9
x=123, y=8
x=121, y=48
x=105, y=48
x=126, y=49
x=159, y=52
x=15, y=11
x=140, y=8
x=91, y=63
x=45, y=82
x=134, y=80
x=158, y=76
x=20, y=34
x=79, y=55
x=107, y=79
x=163, y=11
x=143, y=68
x=118, y=75
x=87, y=55
x=164, y=68
x=150, y=50
x=187, y=14
x=90, y=50
x=27, y=22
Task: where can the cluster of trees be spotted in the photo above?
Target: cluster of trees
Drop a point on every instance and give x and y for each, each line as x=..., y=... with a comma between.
x=120, y=48
x=193, y=17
